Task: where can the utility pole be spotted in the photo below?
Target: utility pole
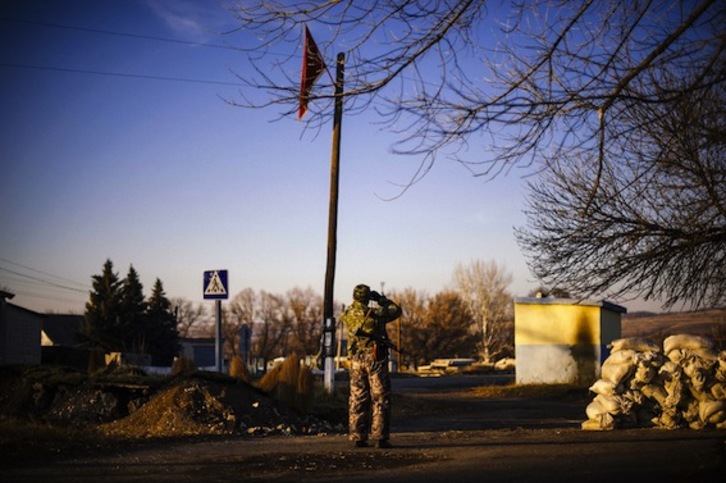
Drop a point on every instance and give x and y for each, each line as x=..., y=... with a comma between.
x=328, y=316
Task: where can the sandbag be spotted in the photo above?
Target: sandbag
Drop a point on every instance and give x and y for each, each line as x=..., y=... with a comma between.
x=644, y=373
x=670, y=370
x=693, y=364
x=632, y=398
x=682, y=386
x=718, y=391
x=708, y=411
x=614, y=404
x=698, y=380
x=686, y=341
x=625, y=356
x=605, y=387
x=655, y=392
x=677, y=356
x=707, y=354
x=600, y=423
x=638, y=344
x=617, y=373
x=594, y=410
x=611, y=404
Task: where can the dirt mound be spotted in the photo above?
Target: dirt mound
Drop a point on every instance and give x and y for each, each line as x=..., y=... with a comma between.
x=197, y=406
x=140, y=406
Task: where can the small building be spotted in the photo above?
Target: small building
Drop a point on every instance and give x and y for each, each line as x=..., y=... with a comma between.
x=19, y=333
x=200, y=350
x=562, y=341
x=59, y=341
x=61, y=330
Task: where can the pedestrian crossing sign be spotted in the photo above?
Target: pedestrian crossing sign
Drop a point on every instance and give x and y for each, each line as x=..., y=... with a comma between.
x=215, y=284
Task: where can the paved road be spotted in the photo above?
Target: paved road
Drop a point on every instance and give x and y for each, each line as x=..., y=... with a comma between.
x=504, y=441
x=448, y=383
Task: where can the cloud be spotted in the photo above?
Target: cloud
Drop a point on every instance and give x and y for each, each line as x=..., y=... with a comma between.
x=191, y=18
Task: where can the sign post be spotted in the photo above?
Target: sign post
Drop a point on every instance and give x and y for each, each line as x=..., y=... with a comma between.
x=216, y=288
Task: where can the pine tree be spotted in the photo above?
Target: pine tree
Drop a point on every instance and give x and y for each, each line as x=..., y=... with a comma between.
x=162, y=335
x=132, y=320
x=101, y=318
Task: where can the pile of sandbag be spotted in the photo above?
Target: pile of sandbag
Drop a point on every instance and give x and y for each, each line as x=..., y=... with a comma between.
x=681, y=385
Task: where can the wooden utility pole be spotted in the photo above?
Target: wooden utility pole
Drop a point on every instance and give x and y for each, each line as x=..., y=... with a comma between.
x=328, y=317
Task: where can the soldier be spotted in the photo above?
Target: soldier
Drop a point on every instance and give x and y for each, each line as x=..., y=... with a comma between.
x=369, y=401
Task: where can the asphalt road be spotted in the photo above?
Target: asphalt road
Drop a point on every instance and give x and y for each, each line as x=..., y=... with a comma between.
x=476, y=440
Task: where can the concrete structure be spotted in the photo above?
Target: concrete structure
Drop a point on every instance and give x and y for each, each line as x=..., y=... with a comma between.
x=562, y=341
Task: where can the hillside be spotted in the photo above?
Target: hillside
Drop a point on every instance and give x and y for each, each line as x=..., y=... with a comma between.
x=710, y=323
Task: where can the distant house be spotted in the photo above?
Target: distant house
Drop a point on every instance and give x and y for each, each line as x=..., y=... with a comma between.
x=59, y=341
x=199, y=350
x=19, y=333
x=61, y=330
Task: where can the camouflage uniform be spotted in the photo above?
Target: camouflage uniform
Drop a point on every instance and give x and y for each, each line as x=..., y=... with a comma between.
x=370, y=384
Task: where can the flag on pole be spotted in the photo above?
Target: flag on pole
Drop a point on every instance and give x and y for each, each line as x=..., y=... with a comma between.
x=312, y=67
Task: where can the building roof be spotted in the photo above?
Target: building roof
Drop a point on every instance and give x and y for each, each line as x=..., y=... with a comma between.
x=563, y=301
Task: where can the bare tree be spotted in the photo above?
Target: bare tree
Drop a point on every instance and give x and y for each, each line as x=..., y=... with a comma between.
x=530, y=80
x=656, y=228
x=434, y=327
x=448, y=327
x=305, y=311
x=240, y=311
x=483, y=288
x=191, y=318
x=413, y=323
x=566, y=88
x=272, y=329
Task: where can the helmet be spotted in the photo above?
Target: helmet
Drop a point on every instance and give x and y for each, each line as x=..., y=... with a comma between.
x=362, y=293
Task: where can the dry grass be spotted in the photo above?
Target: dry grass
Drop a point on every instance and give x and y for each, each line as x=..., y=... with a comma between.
x=709, y=323
x=548, y=391
x=238, y=369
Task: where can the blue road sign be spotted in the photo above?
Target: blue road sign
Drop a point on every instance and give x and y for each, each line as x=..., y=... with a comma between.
x=215, y=284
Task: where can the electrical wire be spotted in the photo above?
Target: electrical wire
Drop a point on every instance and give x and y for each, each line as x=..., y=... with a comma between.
x=121, y=34
x=120, y=74
x=24, y=277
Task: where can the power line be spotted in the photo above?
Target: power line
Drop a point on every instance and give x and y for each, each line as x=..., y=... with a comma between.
x=44, y=281
x=120, y=34
x=119, y=74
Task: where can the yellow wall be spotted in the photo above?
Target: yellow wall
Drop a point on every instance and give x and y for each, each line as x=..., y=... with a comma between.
x=556, y=324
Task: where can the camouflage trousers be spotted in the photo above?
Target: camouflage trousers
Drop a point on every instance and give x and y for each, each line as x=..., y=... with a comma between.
x=369, y=402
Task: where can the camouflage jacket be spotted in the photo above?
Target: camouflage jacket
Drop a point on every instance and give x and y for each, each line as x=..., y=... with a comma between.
x=359, y=317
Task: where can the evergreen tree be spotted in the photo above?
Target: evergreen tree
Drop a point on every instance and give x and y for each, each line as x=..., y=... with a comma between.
x=162, y=335
x=101, y=318
x=132, y=320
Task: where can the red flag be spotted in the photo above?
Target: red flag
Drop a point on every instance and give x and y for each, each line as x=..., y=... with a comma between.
x=312, y=66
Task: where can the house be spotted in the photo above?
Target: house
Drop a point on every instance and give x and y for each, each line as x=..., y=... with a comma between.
x=60, y=330
x=59, y=341
x=200, y=350
x=19, y=333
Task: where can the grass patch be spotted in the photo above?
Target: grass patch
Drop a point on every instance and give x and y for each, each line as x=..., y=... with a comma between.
x=548, y=391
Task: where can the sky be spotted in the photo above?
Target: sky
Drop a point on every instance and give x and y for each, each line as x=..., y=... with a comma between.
x=116, y=144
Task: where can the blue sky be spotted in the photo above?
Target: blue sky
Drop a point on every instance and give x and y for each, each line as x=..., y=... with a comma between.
x=122, y=148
